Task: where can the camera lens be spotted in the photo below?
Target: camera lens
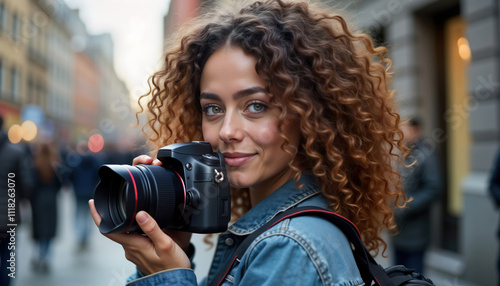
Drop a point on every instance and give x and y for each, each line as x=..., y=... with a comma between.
x=121, y=203
x=125, y=190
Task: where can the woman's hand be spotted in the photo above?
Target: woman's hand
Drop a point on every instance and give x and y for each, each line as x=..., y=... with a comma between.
x=156, y=251
x=182, y=238
x=146, y=160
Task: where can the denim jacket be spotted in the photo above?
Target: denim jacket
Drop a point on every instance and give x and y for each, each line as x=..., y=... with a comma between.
x=303, y=250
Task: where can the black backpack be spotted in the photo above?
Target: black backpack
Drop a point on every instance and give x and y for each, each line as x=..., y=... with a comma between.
x=371, y=272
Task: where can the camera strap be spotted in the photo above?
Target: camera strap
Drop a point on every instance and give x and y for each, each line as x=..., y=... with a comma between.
x=370, y=270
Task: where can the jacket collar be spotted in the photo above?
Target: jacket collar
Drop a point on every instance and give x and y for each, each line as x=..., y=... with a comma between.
x=286, y=197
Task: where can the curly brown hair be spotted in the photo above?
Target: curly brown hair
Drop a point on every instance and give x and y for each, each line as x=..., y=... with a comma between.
x=315, y=67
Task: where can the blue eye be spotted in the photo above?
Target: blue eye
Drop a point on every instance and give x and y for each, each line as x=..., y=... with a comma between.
x=212, y=109
x=256, y=107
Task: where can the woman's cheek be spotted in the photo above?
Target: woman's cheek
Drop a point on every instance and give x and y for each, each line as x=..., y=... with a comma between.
x=267, y=134
x=210, y=136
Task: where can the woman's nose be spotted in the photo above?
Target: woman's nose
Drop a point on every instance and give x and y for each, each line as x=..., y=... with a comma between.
x=231, y=129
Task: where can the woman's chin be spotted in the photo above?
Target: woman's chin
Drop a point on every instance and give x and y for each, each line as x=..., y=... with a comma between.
x=239, y=186
x=238, y=182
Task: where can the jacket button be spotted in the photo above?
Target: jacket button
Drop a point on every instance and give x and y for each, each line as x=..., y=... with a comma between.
x=229, y=241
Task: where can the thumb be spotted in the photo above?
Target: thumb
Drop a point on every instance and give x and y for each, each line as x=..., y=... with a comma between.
x=153, y=231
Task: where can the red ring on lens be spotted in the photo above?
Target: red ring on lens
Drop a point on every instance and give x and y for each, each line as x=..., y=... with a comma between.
x=135, y=201
x=184, y=189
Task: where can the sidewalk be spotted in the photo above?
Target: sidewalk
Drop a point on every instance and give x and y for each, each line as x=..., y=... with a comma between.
x=102, y=264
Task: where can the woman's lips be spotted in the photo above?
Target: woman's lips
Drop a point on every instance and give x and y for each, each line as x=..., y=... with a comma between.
x=237, y=159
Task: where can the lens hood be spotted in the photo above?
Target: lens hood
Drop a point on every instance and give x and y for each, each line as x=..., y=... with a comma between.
x=125, y=190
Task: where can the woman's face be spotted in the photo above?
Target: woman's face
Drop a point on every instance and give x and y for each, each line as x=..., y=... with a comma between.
x=239, y=122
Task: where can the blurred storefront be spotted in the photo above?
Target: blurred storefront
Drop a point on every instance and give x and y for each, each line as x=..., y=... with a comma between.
x=10, y=113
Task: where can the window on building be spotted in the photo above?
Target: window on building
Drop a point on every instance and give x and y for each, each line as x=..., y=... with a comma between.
x=14, y=84
x=3, y=16
x=40, y=95
x=445, y=55
x=16, y=27
x=456, y=60
x=2, y=79
x=31, y=97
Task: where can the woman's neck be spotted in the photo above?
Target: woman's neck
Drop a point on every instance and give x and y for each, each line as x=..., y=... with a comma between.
x=264, y=189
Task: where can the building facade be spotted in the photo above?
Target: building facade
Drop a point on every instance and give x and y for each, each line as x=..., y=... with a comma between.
x=50, y=62
x=14, y=63
x=446, y=69
x=115, y=116
x=86, y=81
x=60, y=96
x=86, y=95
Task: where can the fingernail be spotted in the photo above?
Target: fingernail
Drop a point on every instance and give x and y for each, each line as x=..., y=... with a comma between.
x=142, y=217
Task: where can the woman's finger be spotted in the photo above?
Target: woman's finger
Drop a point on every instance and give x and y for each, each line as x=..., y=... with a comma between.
x=142, y=159
x=95, y=215
x=161, y=241
x=146, y=160
x=116, y=237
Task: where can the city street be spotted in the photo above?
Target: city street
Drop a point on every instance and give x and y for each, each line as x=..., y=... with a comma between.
x=102, y=264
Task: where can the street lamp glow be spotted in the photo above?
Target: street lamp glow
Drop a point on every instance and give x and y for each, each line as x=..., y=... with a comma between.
x=464, y=48
x=96, y=143
x=29, y=130
x=15, y=133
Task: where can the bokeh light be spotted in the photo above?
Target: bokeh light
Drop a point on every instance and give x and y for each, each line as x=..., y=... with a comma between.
x=15, y=133
x=29, y=130
x=96, y=143
x=464, y=49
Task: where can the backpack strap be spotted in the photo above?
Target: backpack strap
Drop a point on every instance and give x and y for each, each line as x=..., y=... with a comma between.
x=370, y=270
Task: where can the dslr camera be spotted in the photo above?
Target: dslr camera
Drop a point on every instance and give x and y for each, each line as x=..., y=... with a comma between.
x=189, y=192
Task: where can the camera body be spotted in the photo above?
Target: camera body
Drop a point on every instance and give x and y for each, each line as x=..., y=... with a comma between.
x=189, y=192
x=208, y=197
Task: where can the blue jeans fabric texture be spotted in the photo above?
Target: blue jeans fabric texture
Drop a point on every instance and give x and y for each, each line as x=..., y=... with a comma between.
x=299, y=251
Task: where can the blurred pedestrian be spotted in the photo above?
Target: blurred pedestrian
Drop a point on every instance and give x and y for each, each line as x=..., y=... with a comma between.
x=421, y=181
x=84, y=179
x=15, y=165
x=46, y=158
x=494, y=188
x=121, y=152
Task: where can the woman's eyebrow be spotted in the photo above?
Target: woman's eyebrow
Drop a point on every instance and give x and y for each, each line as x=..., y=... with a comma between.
x=237, y=95
x=209, y=95
x=248, y=91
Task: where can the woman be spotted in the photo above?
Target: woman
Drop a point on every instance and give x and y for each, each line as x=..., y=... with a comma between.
x=44, y=202
x=300, y=108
